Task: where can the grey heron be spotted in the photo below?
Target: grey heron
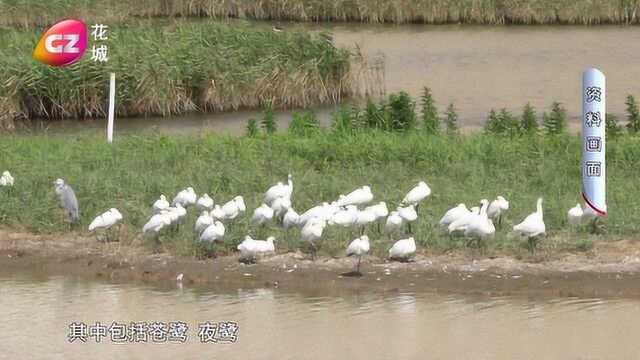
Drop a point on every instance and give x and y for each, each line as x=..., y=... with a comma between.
x=68, y=200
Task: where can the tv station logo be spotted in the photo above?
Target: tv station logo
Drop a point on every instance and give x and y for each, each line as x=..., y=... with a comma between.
x=65, y=43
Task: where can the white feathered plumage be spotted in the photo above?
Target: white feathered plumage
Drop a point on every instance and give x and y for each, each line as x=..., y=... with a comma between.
x=533, y=224
x=106, y=220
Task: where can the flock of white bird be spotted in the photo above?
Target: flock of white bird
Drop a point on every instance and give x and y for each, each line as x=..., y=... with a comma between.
x=354, y=210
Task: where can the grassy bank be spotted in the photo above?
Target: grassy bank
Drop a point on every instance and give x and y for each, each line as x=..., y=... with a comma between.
x=28, y=13
x=177, y=68
x=132, y=173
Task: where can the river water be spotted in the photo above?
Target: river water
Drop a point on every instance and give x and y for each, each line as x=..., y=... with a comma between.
x=475, y=67
x=285, y=324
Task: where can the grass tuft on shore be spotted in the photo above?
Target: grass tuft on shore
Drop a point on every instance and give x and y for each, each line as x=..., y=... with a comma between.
x=178, y=68
x=135, y=170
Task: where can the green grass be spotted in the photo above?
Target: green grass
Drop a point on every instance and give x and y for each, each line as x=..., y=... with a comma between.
x=132, y=173
x=26, y=13
x=177, y=68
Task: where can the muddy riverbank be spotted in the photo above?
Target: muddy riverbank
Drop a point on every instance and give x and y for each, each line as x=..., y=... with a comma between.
x=610, y=269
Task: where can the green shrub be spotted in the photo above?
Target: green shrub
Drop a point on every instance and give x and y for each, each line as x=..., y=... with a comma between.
x=451, y=119
x=430, y=119
x=614, y=129
x=402, y=111
x=304, y=124
x=556, y=121
x=269, y=120
x=633, y=115
x=375, y=116
x=341, y=121
x=529, y=122
x=252, y=128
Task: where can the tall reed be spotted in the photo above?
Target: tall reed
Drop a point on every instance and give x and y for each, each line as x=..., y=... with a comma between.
x=27, y=13
x=178, y=68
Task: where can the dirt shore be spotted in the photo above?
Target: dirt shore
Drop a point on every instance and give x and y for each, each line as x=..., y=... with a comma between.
x=610, y=269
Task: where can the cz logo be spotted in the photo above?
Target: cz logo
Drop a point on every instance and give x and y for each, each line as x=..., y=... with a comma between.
x=62, y=44
x=70, y=47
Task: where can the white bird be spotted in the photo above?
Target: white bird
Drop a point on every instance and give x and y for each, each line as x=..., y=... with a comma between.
x=157, y=223
x=186, y=197
x=6, y=179
x=364, y=218
x=403, y=249
x=532, y=226
x=360, y=196
x=205, y=202
x=250, y=248
x=454, y=214
x=176, y=214
x=480, y=226
x=172, y=215
x=203, y=221
x=280, y=206
x=213, y=233
x=358, y=247
x=233, y=208
x=240, y=203
x=380, y=210
x=394, y=222
x=291, y=219
x=574, y=215
x=345, y=217
x=417, y=194
x=267, y=246
x=497, y=208
x=106, y=220
x=180, y=211
x=217, y=213
x=408, y=214
x=279, y=190
x=262, y=215
x=160, y=204
x=461, y=223
x=324, y=211
x=312, y=232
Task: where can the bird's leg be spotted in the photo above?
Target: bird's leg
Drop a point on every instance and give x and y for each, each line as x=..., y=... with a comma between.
x=409, y=227
x=313, y=252
x=379, y=228
x=594, y=225
x=417, y=205
x=358, y=265
x=362, y=230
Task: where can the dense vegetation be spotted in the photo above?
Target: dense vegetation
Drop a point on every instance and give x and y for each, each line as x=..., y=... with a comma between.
x=27, y=13
x=389, y=151
x=177, y=68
